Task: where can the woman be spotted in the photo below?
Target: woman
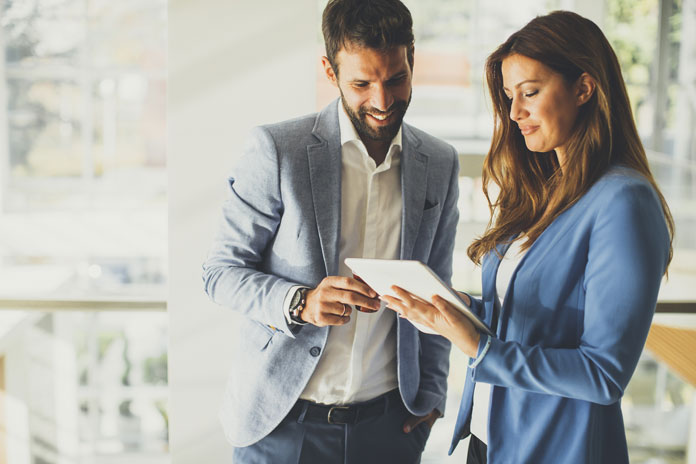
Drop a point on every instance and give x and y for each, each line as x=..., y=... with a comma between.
x=572, y=260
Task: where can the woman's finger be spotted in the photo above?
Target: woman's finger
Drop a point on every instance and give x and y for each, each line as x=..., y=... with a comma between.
x=394, y=304
x=450, y=313
x=409, y=297
x=443, y=305
x=401, y=293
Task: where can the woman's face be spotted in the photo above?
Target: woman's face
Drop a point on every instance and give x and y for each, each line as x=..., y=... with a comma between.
x=543, y=104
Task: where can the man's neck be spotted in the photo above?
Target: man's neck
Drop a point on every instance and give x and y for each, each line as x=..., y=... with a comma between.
x=376, y=149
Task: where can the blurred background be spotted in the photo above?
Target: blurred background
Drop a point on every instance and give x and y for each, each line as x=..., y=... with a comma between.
x=83, y=231
x=118, y=124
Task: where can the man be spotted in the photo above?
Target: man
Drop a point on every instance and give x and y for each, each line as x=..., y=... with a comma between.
x=321, y=372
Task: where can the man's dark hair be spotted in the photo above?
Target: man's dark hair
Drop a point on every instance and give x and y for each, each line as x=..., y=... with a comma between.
x=376, y=24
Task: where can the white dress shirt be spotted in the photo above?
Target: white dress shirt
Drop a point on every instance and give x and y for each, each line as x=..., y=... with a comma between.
x=359, y=360
x=482, y=391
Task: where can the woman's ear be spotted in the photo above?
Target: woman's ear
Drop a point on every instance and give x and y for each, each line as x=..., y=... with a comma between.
x=584, y=88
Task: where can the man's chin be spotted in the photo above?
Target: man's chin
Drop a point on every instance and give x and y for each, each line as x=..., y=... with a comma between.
x=383, y=133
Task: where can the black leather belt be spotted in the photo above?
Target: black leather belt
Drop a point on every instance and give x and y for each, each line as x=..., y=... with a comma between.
x=343, y=414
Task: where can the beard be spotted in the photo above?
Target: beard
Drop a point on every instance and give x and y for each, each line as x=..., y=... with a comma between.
x=380, y=133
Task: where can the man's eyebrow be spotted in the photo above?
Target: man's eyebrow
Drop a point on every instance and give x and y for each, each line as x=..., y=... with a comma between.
x=398, y=75
x=523, y=82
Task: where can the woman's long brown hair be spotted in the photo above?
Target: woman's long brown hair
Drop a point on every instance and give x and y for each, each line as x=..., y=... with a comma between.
x=532, y=191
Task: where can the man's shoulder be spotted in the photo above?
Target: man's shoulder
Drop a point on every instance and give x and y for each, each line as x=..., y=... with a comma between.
x=299, y=126
x=430, y=144
x=304, y=130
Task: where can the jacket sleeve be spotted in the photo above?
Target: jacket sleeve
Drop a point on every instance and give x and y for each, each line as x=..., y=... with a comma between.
x=476, y=305
x=250, y=218
x=435, y=355
x=626, y=258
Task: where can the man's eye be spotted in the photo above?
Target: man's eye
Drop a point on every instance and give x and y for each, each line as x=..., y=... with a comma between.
x=396, y=81
x=360, y=84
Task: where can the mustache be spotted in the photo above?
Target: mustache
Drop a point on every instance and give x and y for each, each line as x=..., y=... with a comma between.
x=400, y=105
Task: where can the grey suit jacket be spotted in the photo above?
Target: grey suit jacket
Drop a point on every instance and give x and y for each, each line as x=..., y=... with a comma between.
x=280, y=228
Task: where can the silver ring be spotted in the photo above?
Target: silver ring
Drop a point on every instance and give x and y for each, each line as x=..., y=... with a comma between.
x=344, y=311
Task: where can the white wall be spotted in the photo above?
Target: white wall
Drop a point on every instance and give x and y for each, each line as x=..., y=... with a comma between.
x=232, y=65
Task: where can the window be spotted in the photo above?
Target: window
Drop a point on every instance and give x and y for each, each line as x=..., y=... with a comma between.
x=83, y=237
x=82, y=155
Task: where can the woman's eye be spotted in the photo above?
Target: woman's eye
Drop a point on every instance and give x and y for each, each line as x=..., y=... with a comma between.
x=531, y=94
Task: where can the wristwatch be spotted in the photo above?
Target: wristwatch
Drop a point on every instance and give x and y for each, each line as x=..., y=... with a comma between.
x=297, y=305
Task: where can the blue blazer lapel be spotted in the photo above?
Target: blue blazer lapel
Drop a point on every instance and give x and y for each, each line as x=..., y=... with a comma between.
x=491, y=262
x=325, y=178
x=414, y=178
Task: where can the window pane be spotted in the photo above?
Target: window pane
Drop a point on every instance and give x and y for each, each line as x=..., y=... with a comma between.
x=648, y=37
x=82, y=150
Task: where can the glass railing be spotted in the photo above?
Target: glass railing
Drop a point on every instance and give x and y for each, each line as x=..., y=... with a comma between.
x=84, y=381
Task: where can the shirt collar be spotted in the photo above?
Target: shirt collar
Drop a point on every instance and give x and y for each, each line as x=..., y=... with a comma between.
x=349, y=134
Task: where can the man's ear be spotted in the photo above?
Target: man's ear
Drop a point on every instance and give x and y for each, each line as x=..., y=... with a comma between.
x=585, y=88
x=328, y=69
x=410, y=52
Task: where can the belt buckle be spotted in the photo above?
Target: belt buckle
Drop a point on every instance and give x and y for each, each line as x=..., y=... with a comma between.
x=333, y=408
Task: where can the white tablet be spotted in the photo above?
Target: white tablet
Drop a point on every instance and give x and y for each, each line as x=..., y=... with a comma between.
x=414, y=276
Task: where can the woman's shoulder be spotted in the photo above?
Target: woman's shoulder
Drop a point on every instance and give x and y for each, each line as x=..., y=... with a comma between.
x=620, y=191
x=618, y=176
x=619, y=181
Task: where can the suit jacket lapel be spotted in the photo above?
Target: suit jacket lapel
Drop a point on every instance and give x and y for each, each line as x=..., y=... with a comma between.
x=325, y=178
x=414, y=170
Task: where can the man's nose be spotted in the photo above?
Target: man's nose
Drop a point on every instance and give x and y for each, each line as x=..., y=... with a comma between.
x=382, y=98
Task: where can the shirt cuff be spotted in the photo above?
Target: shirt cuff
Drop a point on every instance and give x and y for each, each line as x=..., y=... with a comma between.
x=286, y=304
x=482, y=352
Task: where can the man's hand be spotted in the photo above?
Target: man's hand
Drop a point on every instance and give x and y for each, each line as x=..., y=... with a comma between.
x=329, y=303
x=413, y=421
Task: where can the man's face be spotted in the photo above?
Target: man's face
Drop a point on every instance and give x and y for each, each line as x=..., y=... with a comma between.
x=375, y=89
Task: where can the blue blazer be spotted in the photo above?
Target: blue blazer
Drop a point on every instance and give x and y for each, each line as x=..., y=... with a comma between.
x=280, y=228
x=573, y=324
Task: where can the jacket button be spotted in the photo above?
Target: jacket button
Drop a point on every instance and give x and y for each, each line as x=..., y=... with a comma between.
x=314, y=351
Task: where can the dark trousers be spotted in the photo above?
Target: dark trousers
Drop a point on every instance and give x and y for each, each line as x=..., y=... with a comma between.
x=378, y=439
x=477, y=451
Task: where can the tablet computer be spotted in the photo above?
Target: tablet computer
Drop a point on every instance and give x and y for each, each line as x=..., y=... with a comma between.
x=414, y=276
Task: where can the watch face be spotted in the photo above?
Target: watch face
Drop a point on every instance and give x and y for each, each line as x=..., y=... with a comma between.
x=296, y=299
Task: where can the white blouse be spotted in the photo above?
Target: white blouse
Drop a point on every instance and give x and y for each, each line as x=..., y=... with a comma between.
x=482, y=391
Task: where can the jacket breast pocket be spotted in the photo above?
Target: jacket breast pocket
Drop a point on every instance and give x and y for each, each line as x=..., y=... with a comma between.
x=429, y=221
x=426, y=232
x=431, y=212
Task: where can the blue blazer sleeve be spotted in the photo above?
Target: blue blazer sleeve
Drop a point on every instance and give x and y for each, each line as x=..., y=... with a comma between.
x=476, y=306
x=626, y=258
x=251, y=215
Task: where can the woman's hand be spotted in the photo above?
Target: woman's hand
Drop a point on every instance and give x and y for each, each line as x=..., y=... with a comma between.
x=438, y=315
